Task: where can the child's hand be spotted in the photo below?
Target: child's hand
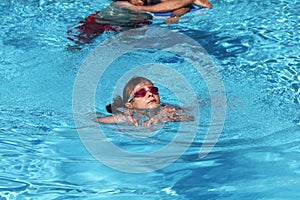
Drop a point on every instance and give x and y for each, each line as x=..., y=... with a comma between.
x=133, y=121
x=152, y=121
x=124, y=118
x=129, y=118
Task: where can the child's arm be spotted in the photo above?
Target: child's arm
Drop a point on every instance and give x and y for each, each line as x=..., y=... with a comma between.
x=169, y=113
x=115, y=119
x=105, y=120
x=180, y=115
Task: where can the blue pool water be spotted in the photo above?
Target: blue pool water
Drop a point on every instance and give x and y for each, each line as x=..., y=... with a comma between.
x=254, y=45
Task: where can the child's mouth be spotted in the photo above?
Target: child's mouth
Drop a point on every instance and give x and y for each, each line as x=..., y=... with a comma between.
x=152, y=101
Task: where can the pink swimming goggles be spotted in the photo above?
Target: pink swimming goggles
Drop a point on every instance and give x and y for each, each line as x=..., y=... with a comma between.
x=142, y=92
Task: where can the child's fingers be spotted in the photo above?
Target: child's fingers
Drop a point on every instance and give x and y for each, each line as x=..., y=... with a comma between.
x=146, y=123
x=133, y=121
x=155, y=121
x=152, y=121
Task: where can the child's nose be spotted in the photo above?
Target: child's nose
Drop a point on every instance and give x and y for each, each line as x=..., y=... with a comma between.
x=150, y=94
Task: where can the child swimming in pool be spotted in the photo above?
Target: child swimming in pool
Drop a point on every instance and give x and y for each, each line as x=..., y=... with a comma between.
x=141, y=101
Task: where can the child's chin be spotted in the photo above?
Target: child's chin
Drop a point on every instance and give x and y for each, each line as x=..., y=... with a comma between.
x=153, y=105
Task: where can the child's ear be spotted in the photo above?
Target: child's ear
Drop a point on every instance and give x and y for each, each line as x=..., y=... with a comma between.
x=128, y=105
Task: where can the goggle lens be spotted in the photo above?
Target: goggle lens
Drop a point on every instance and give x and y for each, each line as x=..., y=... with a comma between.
x=142, y=92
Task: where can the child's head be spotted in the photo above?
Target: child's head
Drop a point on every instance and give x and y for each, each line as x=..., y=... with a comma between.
x=140, y=93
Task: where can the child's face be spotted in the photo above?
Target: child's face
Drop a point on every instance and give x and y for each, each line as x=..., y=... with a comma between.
x=150, y=100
